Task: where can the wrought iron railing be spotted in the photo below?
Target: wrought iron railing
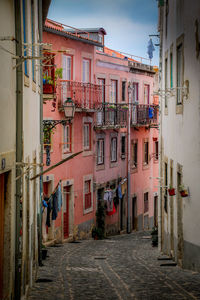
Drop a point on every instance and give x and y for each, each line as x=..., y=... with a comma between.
x=142, y=114
x=111, y=115
x=84, y=95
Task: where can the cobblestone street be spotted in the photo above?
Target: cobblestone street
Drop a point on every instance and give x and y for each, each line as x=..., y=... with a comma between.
x=121, y=267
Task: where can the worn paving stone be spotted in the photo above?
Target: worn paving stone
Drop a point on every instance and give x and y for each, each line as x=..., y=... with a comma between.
x=122, y=267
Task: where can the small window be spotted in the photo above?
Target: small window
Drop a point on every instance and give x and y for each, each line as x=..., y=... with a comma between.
x=87, y=136
x=135, y=92
x=123, y=147
x=146, y=202
x=87, y=194
x=134, y=154
x=86, y=72
x=24, y=7
x=156, y=150
x=113, y=92
x=166, y=81
x=171, y=70
x=166, y=188
x=101, y=82
x=67, y=138
x=123, y=90
x=100, y=152
x=146, y=94
x=114, y=149
x=146, y=152
x=179, y=78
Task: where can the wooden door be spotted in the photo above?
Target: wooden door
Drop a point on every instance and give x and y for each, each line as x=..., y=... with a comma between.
x=66, y=212
x=2, y=179
x=156, y=211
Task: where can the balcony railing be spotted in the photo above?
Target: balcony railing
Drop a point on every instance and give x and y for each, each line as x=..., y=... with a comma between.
x=142, y=114
x=86, y=96
x=111, y=115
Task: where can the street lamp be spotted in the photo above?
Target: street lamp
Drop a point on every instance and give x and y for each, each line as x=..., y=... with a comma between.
x=69, y=108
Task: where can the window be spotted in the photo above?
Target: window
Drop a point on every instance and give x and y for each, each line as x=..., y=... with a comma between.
x=146, y=94
x=67, y=138
x=33, y=38
x=146, y=202
x=87, y=194
x=100, y=152
x=134, y=153
x=166, y=81
x=87, y=136
x=24, y=4
x=123, y=147
x=171, y=70
x=86, y=72
x=101, y=82
x=123, y=90
x=114, y=149
x=100, y=40
x=166, y=17
x=113, y=91
x=166, y=187
x=67, y=67
x=156, y=150
x=146, y=152
x=179, y=78
x=135, y=92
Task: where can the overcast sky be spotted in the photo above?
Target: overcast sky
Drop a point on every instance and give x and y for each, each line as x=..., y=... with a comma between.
x=128, y=23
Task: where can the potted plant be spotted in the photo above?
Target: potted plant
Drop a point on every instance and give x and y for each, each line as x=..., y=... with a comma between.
x=171, y=191
x=183, y=191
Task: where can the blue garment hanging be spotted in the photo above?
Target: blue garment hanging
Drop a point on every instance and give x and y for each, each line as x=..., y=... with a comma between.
x=150, y=113
x=59, y=197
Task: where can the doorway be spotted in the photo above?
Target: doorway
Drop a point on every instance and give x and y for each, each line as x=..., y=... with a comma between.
x=66, y=211
x=134, y=213
x=179, y=220
x=122, y=213
x=2, y=199
x=155, y=211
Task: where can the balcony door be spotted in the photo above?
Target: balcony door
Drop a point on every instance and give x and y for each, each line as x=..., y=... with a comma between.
x=101, y=113
x=67, y=87
x=86, y=79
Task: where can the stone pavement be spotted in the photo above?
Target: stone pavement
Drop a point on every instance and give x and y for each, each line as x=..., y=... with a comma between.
x=121, y=267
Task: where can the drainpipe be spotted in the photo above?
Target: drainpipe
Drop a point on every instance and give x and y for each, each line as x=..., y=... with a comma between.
x=128, y=161
x=41, y=135
x=19, y=151
x=160, y=216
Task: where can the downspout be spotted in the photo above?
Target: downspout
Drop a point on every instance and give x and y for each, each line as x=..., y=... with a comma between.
x=41, y=135
x=19, y=150
x=160, y=214
x=128, y=162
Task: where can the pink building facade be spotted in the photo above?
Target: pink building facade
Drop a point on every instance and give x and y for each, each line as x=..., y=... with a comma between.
x=104, y=86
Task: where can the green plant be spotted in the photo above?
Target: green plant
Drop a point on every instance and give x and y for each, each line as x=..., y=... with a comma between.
x=48, y=131
x=58, y=73
x=181, y=187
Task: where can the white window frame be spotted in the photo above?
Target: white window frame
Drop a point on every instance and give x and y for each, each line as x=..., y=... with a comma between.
x=86, y=63
x=66, y=138
x=86, y=136
x=100, y=152
x=113, y=149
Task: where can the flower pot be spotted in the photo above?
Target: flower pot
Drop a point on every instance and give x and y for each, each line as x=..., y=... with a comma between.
x=184, y=193
x=171, y=192
x=48, y=88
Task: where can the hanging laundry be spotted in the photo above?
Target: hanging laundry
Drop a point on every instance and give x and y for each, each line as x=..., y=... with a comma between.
x=119, y=191
x=55, y=205
x=59, y=197
x=110, y=213
x=108, y=197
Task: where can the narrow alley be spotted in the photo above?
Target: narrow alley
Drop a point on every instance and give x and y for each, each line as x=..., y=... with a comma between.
x=121, y=267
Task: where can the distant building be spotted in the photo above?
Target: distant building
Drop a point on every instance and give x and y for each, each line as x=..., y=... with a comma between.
x=104, y=87
x=179, y=93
